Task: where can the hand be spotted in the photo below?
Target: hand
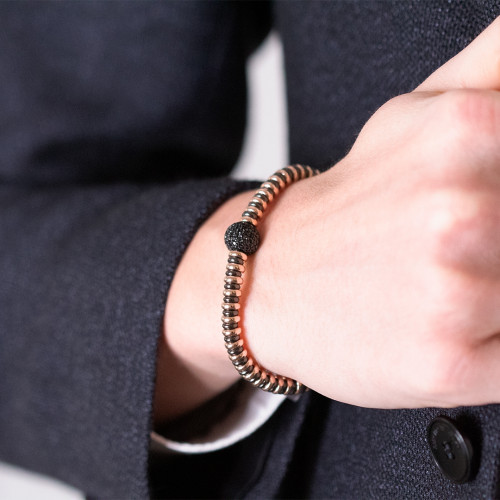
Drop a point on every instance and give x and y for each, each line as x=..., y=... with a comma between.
x=378, y=282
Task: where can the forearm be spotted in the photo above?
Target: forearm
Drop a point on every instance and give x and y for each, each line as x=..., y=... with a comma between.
x=192, y=362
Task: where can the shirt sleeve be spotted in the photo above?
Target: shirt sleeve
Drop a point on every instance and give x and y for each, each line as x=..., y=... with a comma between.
x=250, y=409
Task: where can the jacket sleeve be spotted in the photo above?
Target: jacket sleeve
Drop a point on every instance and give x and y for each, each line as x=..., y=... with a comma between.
x=119, y=124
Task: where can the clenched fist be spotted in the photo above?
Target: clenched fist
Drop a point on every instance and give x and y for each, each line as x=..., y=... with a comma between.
x=378, y=283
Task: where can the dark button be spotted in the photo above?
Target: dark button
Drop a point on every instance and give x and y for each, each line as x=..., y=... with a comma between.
x=451, y=449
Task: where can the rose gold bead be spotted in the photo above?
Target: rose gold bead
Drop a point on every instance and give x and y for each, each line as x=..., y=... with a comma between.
x=302, y=170
x=279, y=180
x=294, y=174
x=241, y=255
x=232, y=293
x=254, y=210
x=265, y=192
x=254, y=373
x=244, y=368
x=301, y=388
x=227, y=320
x=272, y=380
x=259, y=200
x=233, y=280
x=286, y=175
x=249, y=219
x=235, y=267
x=232, y=345
x=234, y=331
x=280, y=385
x=233, y=338
x=290, y=386
x=269, y=186
x=263, y=376
x=230, y=306
x=237, y=357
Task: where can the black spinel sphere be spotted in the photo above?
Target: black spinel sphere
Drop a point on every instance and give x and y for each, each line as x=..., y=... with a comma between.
x=242, y=237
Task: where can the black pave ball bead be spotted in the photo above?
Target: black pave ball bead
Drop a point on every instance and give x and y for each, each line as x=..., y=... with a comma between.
x=242, y=237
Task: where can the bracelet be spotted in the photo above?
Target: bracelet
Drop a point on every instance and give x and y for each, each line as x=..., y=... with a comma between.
x=242, y=239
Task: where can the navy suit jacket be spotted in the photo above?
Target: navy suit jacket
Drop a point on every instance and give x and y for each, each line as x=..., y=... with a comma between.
x=119, y=125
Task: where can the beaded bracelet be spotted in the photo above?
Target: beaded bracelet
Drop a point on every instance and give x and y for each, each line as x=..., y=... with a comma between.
x=242, y=239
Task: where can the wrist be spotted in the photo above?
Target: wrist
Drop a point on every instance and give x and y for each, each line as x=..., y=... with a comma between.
x=192, y=365
x=270, y=296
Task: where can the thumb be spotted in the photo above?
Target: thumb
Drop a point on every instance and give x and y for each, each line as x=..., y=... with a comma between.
x=475, y=67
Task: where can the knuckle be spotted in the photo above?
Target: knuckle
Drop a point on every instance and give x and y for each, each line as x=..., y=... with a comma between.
x=463, y=137
x=470, y=115
x=384, y=116
x=458, y=228
x=398, y=101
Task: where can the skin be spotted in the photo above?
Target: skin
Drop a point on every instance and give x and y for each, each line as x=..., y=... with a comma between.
x=377, y=283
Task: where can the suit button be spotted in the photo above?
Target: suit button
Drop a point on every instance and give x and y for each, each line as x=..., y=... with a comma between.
x=451, y=449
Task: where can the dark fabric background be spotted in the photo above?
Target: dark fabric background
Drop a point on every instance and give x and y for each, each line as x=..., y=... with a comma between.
x=118, y=123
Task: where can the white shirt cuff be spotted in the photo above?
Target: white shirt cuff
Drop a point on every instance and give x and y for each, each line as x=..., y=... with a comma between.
x=252, y=409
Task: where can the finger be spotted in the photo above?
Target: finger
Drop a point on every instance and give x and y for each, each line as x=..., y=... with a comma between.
x=465, y=236
x=477, y=66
